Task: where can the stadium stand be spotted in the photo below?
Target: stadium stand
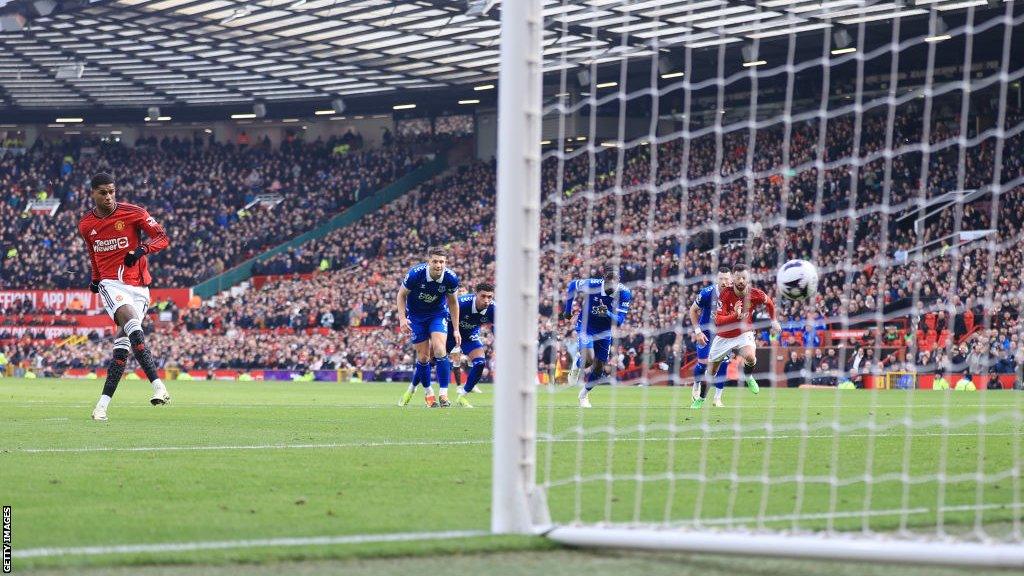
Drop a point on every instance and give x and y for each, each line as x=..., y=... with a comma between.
x=346, y=311
x=198, y=190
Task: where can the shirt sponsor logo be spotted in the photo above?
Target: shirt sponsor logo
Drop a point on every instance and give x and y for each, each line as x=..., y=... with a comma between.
x=110, y=245
x=428, y=298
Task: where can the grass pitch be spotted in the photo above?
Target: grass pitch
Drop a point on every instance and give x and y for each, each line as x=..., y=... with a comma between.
x=302, y=468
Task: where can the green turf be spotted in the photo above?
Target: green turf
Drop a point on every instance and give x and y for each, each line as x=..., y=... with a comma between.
x=769, y=440
x=317, y=459
x=531, y=563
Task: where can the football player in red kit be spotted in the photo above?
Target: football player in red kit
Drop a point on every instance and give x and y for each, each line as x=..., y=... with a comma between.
x=734, y=328
x=120, y=275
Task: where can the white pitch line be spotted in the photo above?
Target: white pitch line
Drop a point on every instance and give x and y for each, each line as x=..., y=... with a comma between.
x=371, y=444
x=412, y=536
x=230, y=544
x=663, y=407
x=404, y=443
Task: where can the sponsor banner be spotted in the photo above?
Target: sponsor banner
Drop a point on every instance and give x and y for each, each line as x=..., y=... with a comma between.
x=848, y=333
x=278, y=375
x=68, y=320
x=50, y=299
x=927, y=381
x=51, y=332
x=83, y=299
x=326, y=375
x=290, y=375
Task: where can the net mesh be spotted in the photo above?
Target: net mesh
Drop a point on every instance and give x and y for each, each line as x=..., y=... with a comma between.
x=888, y=152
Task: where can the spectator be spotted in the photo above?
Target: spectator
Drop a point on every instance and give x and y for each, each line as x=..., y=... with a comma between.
x=612, y=205
x=795, y=370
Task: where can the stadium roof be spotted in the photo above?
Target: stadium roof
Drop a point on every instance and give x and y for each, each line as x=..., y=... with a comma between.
x=117, y=54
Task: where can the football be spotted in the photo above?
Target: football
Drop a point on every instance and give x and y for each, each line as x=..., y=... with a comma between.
x=798, y=280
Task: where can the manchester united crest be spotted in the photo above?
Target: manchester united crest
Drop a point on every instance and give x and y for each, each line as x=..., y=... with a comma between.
x=119, y=225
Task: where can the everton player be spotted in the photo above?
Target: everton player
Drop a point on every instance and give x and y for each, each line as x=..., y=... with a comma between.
x=455, y=356
x=702, y=312
x=426, y=300
x=734, y=325
x=475, y=310
x=112, y=232
x=605, y=305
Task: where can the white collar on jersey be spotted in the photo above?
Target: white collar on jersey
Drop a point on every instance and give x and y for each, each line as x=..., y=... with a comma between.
x=439, y=278
x=475, y=311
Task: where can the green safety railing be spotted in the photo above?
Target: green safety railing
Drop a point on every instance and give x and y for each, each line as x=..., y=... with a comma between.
x=395, y=190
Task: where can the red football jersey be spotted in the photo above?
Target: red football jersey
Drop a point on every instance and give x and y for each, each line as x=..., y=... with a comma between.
x=729, y=324
x=109, y=239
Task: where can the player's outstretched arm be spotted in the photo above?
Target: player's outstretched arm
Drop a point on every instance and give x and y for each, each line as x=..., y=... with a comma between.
x=698, y=334
x=695, y=315
x=403, y=296
x=625, y=299
x=570, y=296
x=156, y=236
x=453, y=311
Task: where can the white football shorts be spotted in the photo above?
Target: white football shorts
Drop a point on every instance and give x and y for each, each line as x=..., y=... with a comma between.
x=721, y=347
x=114, y=294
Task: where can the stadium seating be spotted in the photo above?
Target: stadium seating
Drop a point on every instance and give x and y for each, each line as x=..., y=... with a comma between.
x=197, y=190
x=457, y=209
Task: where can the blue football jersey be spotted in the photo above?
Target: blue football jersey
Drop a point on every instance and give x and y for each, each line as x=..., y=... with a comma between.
x=428, y=296
x=470, y=319
x=600, y=310
x=707, y=301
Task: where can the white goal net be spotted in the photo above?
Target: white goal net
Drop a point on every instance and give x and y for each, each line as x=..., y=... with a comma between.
x=659, y=141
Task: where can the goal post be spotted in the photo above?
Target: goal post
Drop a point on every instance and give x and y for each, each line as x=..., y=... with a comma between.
x=517, y=239
x=666, y=140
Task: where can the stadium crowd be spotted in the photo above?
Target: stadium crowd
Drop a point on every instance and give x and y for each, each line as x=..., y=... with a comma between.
x=835, y=200
x=200, y=190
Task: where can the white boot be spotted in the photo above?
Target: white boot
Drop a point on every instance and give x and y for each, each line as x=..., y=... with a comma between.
x=160, y=395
